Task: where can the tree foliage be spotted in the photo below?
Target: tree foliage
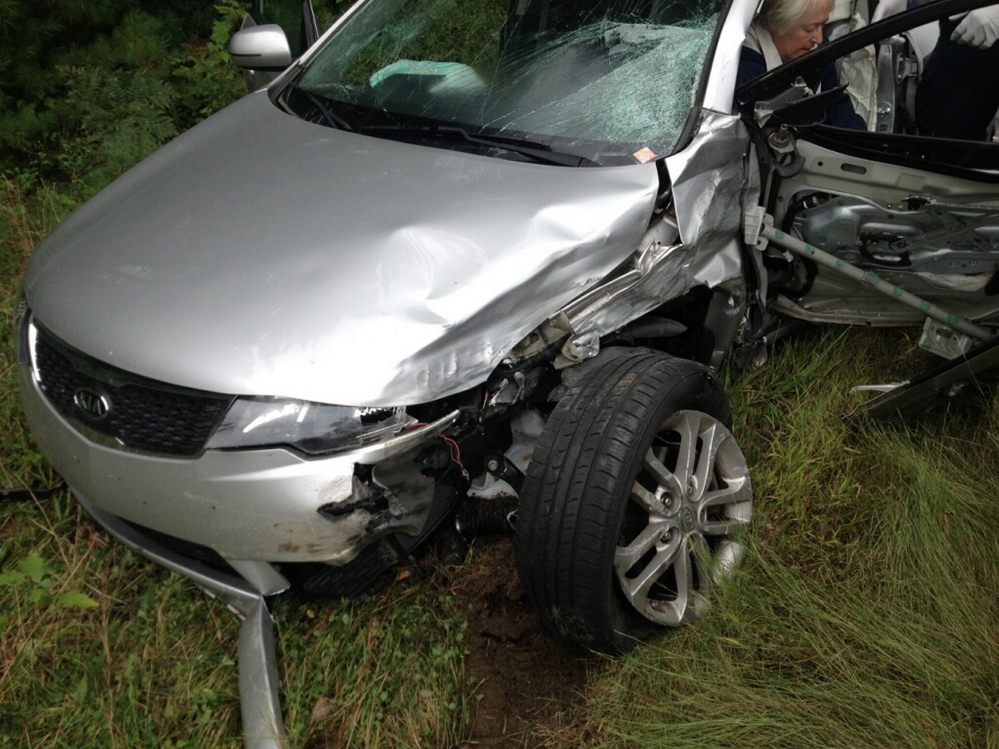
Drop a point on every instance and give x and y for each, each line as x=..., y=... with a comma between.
x=88, y=87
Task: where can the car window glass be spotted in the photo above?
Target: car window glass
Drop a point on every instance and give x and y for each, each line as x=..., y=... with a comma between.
x=601, y=78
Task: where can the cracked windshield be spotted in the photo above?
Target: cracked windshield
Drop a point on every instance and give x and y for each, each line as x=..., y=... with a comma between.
x=571, y=83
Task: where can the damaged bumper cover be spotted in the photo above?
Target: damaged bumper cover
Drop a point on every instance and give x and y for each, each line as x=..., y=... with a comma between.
x=267, y=504
x=259, y=691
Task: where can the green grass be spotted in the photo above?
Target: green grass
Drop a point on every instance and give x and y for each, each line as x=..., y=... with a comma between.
x=865, y=614
x=382, y=672
x=103, y=649
x=27, y=212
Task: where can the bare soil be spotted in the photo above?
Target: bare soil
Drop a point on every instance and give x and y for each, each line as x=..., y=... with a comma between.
x=530, y=682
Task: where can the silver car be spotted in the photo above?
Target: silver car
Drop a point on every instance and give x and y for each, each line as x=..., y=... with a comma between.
x=466, y=249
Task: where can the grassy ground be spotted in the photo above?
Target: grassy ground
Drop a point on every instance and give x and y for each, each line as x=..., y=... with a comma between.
x=865, y=615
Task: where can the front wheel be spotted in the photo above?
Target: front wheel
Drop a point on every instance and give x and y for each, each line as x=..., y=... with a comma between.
x=633, y=503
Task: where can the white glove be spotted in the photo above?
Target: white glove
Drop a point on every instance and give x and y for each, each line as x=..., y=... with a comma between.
x=980, y=28
x=888, y=8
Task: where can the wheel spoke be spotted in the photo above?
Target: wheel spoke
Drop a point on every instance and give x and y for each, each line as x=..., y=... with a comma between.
x=712, y=439
x=736, y=492
x=701, y=554
x=687, y=457
x=626, y=557
x=736, y=499
x=685, y=606
x=662, y=475
x=724, y=527
x=691, y=596
x=684, y=583
x=707, y=475
x=646, y=499
x=636, y=588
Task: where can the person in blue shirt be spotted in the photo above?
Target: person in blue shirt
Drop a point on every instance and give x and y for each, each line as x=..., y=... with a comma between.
x=785, y=30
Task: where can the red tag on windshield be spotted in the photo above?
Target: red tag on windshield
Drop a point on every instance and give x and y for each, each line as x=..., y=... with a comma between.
x=644, y=156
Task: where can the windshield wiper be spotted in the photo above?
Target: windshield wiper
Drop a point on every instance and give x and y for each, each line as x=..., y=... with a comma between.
x=320, y=103
x=535, y=150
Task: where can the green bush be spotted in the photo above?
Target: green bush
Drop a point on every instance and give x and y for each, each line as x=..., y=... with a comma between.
x=87, y=89
x=205, y=77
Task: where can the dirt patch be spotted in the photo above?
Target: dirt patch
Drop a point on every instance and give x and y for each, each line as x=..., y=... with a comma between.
x=527, y=679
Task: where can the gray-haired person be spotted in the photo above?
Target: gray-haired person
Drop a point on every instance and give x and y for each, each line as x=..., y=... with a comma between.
x=784, y=30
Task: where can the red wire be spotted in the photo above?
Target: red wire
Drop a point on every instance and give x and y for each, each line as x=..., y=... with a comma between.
x=452, y=445
x=455, y=453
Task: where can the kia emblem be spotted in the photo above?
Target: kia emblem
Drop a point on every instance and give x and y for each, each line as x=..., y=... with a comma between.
x=94, y=404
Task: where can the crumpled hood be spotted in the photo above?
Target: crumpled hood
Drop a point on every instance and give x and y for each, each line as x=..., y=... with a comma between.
x=258, y=254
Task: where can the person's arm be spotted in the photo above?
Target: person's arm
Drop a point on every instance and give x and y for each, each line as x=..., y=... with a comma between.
x=841, y=113
x=977, y=28
x=980, y=28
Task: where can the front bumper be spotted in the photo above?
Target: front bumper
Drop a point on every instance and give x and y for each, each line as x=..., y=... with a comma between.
x=269, y=505
x=251, y=507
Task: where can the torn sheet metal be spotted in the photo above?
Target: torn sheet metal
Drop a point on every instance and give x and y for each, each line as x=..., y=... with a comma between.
x=699, y=246
x=707, y=181
x=660, y=271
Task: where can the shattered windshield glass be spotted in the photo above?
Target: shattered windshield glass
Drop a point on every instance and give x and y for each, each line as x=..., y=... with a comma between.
x=570, y=82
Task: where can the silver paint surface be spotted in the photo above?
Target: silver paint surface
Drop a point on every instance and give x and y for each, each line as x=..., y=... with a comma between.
x=722, y=69
x=262, y=255
x=247, y=505
x=707, y=177
x=696, y=245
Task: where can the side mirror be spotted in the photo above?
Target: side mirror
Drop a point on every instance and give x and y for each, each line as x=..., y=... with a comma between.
x=263, y=48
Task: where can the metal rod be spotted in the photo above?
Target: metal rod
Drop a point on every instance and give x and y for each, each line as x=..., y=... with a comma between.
x=872, y=279
x=263, y=725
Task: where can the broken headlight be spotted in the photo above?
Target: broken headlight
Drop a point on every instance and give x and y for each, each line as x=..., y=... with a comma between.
x=313, y=428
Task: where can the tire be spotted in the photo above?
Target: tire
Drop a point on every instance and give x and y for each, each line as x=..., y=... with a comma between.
x=616, y=538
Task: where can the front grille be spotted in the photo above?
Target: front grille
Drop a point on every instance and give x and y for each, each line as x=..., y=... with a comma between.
x=138, y=413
